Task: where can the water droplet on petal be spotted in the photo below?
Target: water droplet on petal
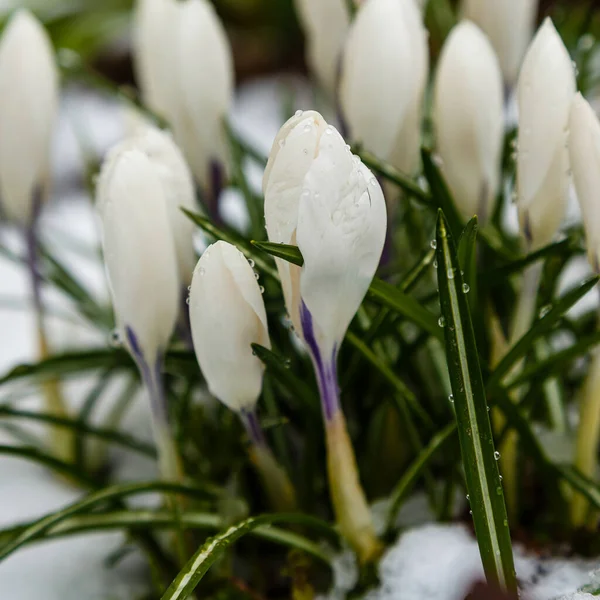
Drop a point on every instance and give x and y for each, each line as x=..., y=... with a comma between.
x=251, y=262
x=201, y=270
x=187, y=301
x=307, y=128
x=298, y=113
x=262, y=289
x=256, y=276
x=115, y=339
x=329, y=131
x=496, y=455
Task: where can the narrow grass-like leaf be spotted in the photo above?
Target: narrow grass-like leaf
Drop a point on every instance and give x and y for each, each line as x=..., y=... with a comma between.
x=380, y=291
x=467, y=258
x=556, y=363
x=148, y=519
x=233, y=238
x=105, y=495
x=542, y=326
x=581, y=483
x=193, y=572
x=297, y=388
x=110, y=435
x=392, y=174
x=414, y=471
x=473, y=422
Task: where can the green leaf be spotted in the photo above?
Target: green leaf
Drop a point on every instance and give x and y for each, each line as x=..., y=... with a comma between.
x=581, y=483
x=474, y=429
x=392, y=174
x=110, y=435
x=193, y=572
x=297, y=388
x=233, y=238
x=381, y=292
x=103, y=496
x=540, y=327
x=414, y=471
x=148, y=519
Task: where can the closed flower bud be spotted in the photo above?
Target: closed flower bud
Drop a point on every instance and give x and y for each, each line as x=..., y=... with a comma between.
x=325, y=26
x=584, y=147
x=509, y=24
x=469, y=119
x=153, y=42
x=29, y=96
x=545, y=92
x=185, y=68
x=322, y=198
x=139, y=252
x=178, y=185
x=384, y=71
x=227, y=314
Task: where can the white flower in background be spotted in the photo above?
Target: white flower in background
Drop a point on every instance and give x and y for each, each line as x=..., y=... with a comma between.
x=584, y=148
x=185, y=67
x=545, y=92
x=153, y=42
x=322, y=198
x=227, y=314
x=139, y=252
x=384, y=71
x=178, y=185
x=326, y=24
x=468, y=116
x=29, y=96
x=509, y=24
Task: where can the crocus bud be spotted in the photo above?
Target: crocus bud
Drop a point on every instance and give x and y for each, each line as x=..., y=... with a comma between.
x=469, y=119
x=185, y=69
x=509, y=24
x=321, y=197
x=29, y=95
x=227, y=314
x=325, y=26
x=545, y=92
x=384, y=71
x=584, y=148
x=178, y=186
x=153, y=40
x=139, y=252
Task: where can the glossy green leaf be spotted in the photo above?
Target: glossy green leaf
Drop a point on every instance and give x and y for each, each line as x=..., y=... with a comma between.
x=474, y=429
x=540, y=327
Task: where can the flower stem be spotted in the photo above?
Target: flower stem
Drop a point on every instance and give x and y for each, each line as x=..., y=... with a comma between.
x=61, y=441
x=278, y=487
x=588, y=434
x=521, y=322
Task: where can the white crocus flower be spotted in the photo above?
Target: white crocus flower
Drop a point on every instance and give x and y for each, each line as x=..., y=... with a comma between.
x=178, y=185
x=153, y=41
x=469, y=119
x=185, y=67
x=545, y=92
x=384, y=71
x=584, y=148
x=509, y=24
x=326, y=25
x=321, y=197
x=141, y=264
x=227, y=315
x=29, y=96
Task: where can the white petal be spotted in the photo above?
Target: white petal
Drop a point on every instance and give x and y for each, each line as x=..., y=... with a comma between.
x=205, y=77
x=293, y=152
x=384, y=68
x=139, y=251
x=509, y=24
x=584, y=148
x=153, y=40
x=469, y=119
x=29, y=94
x=545, y=92
x=341, y=233
x=227, y=315
x=325, y=25
x=169, y=164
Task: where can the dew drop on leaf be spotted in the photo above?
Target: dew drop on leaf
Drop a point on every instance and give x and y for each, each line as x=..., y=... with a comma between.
x=433, y=244
x=441, y=321
x=466, y=289
x=450, y=273
x=497, y=455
